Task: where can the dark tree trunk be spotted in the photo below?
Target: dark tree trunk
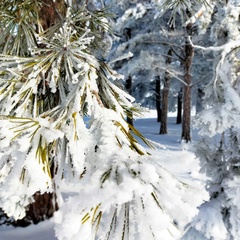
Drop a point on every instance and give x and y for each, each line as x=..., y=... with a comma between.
x=179, y=108
x=186, y=129
x=189, y=51
x=127, y=32
x=163, y=128
x=128, y=87
x=158, y=98
x=128, y=84
x=50, y=12
x=199, y=103
x=45, y=204
x=42, y=208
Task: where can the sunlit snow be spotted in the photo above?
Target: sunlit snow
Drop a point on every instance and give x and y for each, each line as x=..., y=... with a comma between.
x=171, y=154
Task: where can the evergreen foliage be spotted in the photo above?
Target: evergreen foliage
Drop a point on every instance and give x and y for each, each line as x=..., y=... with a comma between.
x=218, y=218
x=50, y=82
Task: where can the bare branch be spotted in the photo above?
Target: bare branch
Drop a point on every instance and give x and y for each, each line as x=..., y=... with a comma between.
x=124, y=56
x=226, y=50
x=181, y=59
x=164, y=43
x=175, y=76
x=196, y=16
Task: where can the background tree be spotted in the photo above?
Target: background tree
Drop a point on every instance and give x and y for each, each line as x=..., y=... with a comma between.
x=149, y=44
x=166, y=86
x=179, y=108
x=189, y=51
x=148, y=60
x=218, y=122
x=128, y=87
x=158, y=98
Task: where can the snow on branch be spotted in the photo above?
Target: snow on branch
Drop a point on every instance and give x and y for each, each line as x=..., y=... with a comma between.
x=221, y=94
x=196, y=16
x=123, y=57
x=226, y=50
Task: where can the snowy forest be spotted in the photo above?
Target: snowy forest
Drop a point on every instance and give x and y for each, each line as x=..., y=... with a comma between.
x=75, y=77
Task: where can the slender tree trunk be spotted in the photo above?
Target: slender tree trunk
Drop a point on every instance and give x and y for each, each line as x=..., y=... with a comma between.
x=127, y=32
x=128, y=84
x=186, y=124
x=128, y=87
x=158, y=98
x=163, y=128
x=199, y=103
x=186, y=130
x=179, y=107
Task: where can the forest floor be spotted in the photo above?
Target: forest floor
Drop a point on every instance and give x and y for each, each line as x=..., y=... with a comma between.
x=175, y=156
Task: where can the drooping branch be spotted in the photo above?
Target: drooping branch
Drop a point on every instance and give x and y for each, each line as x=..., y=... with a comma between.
x=225, y=49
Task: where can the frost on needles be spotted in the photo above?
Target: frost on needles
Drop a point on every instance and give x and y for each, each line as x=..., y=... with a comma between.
x=50, y=80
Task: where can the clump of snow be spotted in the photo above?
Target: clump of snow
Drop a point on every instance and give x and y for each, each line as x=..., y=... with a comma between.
x=73, y=211
x=130, y=189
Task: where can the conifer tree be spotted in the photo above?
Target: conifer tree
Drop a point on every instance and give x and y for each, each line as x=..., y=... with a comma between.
x=218, y=218
x=63, y=128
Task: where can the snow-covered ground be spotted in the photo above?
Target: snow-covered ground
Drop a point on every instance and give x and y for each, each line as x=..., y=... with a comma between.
x=175, y=156
x=42, y=231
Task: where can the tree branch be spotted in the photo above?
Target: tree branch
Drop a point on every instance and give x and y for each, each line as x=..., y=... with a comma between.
x=181, y=59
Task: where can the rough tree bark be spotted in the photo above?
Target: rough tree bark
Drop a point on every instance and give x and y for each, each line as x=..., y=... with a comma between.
x=166, y=85
x=158, y=98
x=189, y=52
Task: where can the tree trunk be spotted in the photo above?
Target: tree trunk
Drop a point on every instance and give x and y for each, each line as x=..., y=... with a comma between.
x=128, y=84
x=189, y=51
x=179, y=107
x=45, y=204
x=163, y=128
x=42, y=208
x=158, y=98
x=127, y=33
x=50, y=12
x=128, y=87
x=199, y=103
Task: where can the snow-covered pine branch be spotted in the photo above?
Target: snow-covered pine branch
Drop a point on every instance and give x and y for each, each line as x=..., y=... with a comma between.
x=63, y=127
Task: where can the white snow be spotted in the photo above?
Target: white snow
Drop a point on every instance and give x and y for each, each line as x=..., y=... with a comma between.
x=41, y=231
x=176, y=157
